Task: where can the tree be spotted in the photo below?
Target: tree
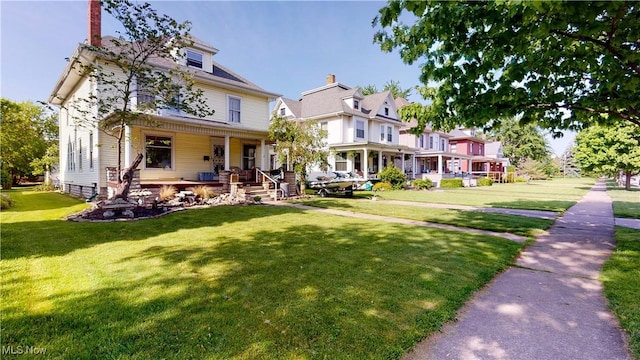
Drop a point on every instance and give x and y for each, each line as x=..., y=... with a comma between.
x=27, y=132
x=299, y=144
x=396, y=90
x=146, y=38
x=568, y=164
x=564, y=64
x=520, y=142
x=610, y=150
x=369, y=89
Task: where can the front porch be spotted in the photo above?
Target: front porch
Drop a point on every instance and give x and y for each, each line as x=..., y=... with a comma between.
x=367, y=160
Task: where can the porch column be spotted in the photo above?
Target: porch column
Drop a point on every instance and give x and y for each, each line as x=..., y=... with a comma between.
x=127, y=147
x=379, y=160
x=403, y=166
x=414, y=164
x=227, y=150
x=470, y=165
x=262, y=155
x=440, y=164
x=365, y=171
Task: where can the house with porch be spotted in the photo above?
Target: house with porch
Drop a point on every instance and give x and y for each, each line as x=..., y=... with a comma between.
x=178, y=148
x=363, y=130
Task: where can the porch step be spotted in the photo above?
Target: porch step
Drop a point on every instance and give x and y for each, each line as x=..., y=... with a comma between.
x=252, y=191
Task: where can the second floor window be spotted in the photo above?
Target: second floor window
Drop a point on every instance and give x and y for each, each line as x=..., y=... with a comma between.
x=234, y=109
x=422, y=141
x=389, y=134
x=381, y=132
x=356, y=104
x=194, y=59
x=359, y=129
x=442, y=145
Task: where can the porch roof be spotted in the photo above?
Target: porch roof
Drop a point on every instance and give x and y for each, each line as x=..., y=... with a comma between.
x=371, y=146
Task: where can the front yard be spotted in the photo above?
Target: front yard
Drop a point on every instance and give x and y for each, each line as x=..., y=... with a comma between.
x=231, y=282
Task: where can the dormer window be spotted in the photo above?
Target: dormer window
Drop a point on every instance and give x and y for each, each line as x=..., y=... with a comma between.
x=386, y=111
x=356, y=104
x=194, y=59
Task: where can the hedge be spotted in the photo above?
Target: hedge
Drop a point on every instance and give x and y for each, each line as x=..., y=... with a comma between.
x=485, y=182
x=422, y=184
x=451, y=183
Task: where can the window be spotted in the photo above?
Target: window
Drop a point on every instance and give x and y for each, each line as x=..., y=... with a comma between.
x=381, y=132
x=324, y=126
x=470, y=148
x=158, y=152
x=282, y=111
x=431, y=142
x=356, y=104
x=480, y=149
x=234, y=109
x=442, y=144
x=386, y=111
x=389, y=134
x=90, y=151
x=422, y=141
x=80, y=154
x=341, y=161
x=359, y=129
x=144, y=95
x=71, y=159
x=454, y=148
x=194, y=59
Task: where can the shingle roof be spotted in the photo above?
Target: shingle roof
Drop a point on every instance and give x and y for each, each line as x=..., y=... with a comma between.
x=293, y=105
x=491, y=148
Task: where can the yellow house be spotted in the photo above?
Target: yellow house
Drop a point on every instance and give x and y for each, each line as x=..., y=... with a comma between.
x=178, y=148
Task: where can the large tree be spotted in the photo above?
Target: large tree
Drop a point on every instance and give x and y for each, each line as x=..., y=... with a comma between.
x=521, y=142
x=564, y=64
x=300, y=144
x=610, y=150
x=27, y=132
x=391, y=85
x=128, y=64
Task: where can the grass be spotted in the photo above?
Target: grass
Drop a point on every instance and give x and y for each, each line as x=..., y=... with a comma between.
x=626, y=203
x=621, y=278
x=231, y=282
x=554, y=195
x=514, y=224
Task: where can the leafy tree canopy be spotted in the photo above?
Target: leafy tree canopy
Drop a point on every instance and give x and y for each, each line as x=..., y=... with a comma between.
x=609, y=150
x=27, y=132
x=391, y=85
x=299, y=144
x=564, y=64
x=520, y=142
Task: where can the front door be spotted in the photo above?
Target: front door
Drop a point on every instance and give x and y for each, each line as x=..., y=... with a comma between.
x=248, y=157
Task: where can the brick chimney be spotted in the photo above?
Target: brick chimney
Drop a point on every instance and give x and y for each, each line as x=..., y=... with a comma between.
x=95, y=12
x=331, y=78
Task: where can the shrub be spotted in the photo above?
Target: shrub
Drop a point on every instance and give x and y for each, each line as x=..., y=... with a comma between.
x=521, y=180
x=422, y=184
x=451, y=183
x=485, y=182
x=45, y=187
x=393, y=176
x=5, y=201
x=167, y=192
x=202, y=191
x=382, y=186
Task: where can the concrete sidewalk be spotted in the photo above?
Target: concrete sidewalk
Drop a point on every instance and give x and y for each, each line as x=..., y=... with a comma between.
x=549, y=307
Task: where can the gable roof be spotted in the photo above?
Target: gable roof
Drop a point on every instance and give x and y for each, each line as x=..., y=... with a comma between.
x=218, y=76
x=293, y=105
x=492, y=148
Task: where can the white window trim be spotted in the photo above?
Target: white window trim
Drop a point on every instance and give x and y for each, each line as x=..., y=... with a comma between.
x=195, y=52
x=229, y=97
x=382, y=133
x=173, y=149
x=364, y=135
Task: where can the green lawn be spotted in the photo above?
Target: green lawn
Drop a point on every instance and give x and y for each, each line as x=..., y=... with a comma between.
x=621, y=278
x=514, y=224
x=231, y=282
x=553, y=195
x=626, y=203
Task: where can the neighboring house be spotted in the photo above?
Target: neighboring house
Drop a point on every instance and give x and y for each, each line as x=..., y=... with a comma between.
x=179, y=147
x=493, y=150
x=363, y=131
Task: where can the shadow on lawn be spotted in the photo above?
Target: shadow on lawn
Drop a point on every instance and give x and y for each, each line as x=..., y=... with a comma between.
x=301, y=291
x=544, y=205
x=59, y=237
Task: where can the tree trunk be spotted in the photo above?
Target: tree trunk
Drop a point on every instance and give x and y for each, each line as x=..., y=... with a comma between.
x=627, y=181
x=123, y=188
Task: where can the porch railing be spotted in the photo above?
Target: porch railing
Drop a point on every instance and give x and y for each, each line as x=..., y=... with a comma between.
x=267, y=177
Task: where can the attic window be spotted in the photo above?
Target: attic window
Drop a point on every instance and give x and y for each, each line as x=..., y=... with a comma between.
x=386, y=111
x=356, y=104
x=194, y=59
x=282, y=112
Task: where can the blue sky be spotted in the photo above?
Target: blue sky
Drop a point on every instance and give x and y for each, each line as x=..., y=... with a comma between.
x=286, y=47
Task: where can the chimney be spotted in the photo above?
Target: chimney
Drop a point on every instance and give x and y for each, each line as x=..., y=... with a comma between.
x=331, y=78
x=95, y=11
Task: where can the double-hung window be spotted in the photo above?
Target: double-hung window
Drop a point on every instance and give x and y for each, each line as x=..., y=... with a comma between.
x=194, y=59
x=234, y=109
x=90, y=151
x=389, y=134
x=158, y=152
x=359, y=129
x=341, y=161
x=442, y=144
x=422, y=141
x=381, y=132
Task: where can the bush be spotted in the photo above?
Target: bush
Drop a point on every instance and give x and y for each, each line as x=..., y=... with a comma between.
x=422, y=184
x=520, y=180
x=485, y=182
x=45, y=187
x=203, y=192
x=451, y=183
x=5, y=201
x=393, y=176
x=382, y=186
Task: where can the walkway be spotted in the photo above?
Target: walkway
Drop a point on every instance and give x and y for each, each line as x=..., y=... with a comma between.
x=551, y=305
